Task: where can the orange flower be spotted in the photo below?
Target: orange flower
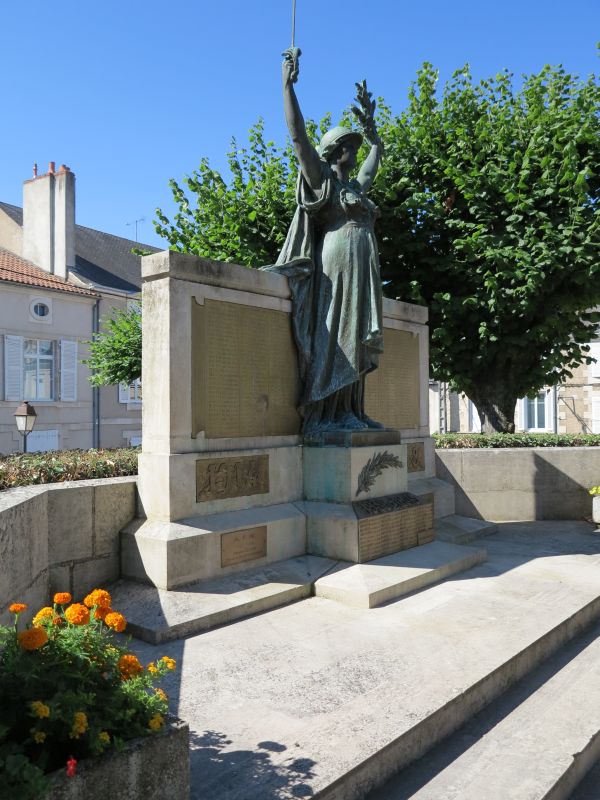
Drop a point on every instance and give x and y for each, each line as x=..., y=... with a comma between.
x=99, y=597
x=62, y=598
x=43, y=615
x=129, y=666
x=16, y=608
x=162, y=694
x=33, y=638
x=115, y=621
x=77, y=614
x=58, y=621
x=169, y=663
x=100, y=612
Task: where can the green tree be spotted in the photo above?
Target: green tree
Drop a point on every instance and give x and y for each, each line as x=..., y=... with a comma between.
x=116, y=352
x=490, y=212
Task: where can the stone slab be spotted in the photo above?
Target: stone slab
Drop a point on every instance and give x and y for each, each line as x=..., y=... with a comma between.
x=376, y=582
x=443, y=494
x=326, y=700
x=462, y=530
x=156, y=615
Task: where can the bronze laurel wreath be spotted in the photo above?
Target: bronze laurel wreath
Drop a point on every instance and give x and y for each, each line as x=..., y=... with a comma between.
x=374, y=467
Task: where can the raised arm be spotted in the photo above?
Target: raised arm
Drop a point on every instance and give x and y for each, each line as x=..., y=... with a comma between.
x=365, y=112
x=310, y=163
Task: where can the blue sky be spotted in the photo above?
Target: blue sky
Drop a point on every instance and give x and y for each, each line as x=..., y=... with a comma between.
x=131, y=93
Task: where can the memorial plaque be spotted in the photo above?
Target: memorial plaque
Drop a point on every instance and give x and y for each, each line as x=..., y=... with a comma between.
x=383, y=505
x=245, y=380
x=383, y=534
x=392, y=390
x=238, y=476
x=243, y=545
x=415, y=456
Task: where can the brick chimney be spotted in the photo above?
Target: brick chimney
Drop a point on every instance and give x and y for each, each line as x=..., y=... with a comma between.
x=49, y=220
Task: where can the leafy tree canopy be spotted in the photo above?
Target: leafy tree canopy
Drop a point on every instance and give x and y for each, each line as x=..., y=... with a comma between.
x=490, y=216
x=116, y=352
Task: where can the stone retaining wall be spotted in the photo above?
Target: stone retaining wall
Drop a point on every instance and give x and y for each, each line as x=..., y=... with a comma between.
x=521, y=483
x=61, y=537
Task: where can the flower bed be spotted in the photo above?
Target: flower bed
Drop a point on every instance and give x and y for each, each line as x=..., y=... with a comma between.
x=69, y=691
x=467, y=441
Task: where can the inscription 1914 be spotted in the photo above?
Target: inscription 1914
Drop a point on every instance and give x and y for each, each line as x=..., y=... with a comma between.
x=220, y=478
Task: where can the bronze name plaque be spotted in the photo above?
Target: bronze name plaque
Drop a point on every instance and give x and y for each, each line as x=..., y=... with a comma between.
x=240, y=476
x=244, y=545
x=383, y=534
x=415, y=456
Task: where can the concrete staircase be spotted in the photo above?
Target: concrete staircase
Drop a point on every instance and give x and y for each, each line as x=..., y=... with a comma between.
x=327, y=700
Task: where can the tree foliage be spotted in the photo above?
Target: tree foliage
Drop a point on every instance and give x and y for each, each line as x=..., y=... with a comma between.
x=116, y=352
x=490, y=216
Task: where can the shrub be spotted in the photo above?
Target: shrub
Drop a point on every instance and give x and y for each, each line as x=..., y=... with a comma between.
x=68, y=690
x=56, y=466
x=455, y=441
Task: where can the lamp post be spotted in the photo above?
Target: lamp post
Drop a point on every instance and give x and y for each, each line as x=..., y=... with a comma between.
x=25, y=418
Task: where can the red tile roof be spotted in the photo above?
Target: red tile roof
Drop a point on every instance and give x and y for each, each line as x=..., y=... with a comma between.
x=15, y=269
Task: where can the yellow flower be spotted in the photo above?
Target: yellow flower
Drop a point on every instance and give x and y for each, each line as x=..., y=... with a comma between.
x=77, y=614
x=115, y=621
x=62, y=598
x=152, y=668
x=43, y=615
x=80, y=725
x=38, y=736
x=104, y=737
x=129, y=666
x=162, y=694
x=99, y=597
x=170, y=663
x=33, y=638
x=156, y=722
x=40, y=709
x=16, y=608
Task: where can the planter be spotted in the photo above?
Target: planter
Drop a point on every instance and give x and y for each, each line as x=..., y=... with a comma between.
x=596, y=509
x=156, y=767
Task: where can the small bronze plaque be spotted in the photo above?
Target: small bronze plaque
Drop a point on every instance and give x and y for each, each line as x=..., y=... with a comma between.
x=383, y=534
x=240, y=476
x=244, y=545
x=415, y=456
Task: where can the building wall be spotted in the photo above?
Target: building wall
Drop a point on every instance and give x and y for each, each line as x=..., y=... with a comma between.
x=11, y=234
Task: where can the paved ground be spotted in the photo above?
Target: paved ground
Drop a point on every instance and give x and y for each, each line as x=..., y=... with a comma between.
x=282, y=704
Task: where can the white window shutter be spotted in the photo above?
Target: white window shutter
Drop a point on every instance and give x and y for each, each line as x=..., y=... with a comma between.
x=595, y=353
x=13, y=367
x=123, y=393
x=68, y=370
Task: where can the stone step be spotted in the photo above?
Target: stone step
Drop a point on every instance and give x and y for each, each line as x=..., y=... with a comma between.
x=462, y=530
x=388, y=578
x=160, y=615
x=329, y=701
x=538, y=741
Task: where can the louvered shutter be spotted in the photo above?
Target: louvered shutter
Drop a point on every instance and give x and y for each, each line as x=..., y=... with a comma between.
x=123, y=393
x=68, y=370
x=13, y=367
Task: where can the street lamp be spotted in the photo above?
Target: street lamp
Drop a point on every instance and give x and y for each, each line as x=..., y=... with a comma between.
x=25, y=418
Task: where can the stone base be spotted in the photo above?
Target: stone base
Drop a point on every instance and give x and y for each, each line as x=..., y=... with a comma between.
x=172, y=554
x=347, y=438
x=345, y=532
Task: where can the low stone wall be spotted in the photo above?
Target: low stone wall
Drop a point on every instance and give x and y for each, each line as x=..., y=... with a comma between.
x=521, y=483
x=61, y=537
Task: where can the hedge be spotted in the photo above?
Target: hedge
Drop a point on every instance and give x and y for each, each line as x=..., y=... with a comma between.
x=455, y=441
x=56, y=466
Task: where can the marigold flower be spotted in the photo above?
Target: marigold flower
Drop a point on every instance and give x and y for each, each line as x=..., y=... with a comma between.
x=115, y=621
x=16, y=608
x=58, y=620
x=40, y=709
x=32, y=638
x=101, y=613
x=71, y=765
x=99, y=597
x=62, y=598
x=104, y=737
x=156, y=722
x=80, y=725
x=43, y=615
x=38, y=736
x=77, y=614
x=169, y=663
x=152, y=668
x=129, y=666
x=162, y=694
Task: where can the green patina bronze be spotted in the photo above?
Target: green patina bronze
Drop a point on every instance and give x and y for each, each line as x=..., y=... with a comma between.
x=331, y=260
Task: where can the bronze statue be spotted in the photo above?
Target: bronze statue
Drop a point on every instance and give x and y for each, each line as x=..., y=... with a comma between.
x=330, y=257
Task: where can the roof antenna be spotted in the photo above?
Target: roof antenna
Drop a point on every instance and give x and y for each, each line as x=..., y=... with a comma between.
x=135, y=222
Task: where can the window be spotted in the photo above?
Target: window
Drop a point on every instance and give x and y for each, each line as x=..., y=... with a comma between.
x=131, y=393
x=474, y=421
x=40, y=309
x=537, y=411
x=31, y=369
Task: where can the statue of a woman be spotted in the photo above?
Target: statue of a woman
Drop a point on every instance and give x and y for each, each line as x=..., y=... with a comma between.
x=330, y=257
